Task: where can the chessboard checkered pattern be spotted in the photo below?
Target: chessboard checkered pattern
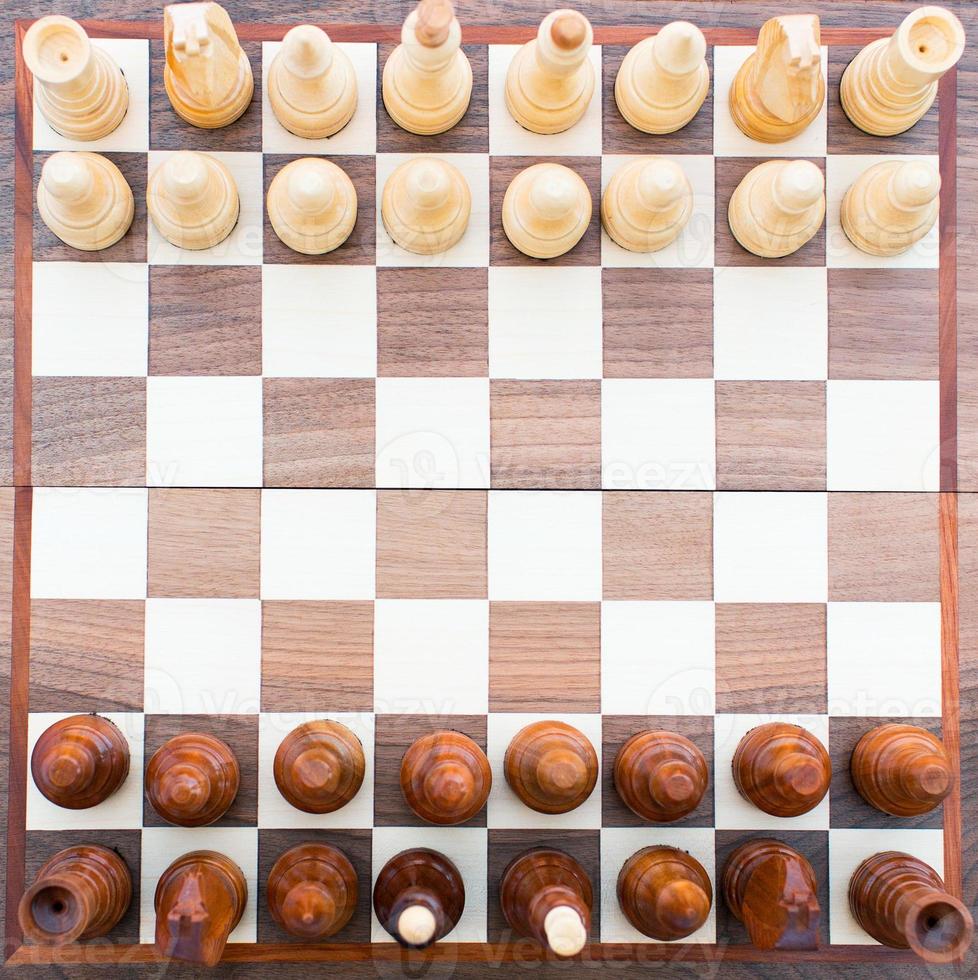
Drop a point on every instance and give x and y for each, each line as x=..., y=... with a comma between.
x=242, y=612
x=699, y=367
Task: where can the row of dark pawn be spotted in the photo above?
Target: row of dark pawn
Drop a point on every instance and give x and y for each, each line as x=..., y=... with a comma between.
x=445, y=777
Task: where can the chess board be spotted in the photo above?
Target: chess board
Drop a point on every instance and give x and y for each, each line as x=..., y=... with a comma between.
x=694, y=489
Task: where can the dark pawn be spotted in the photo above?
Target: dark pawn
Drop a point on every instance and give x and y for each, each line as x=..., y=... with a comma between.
x=319, y=766
x=902, y=902
x=547, y=896
x=902, y=770
x=665, y=893
x=660, y=776
x=80, y=761
x=771, y=889
x=80, y=893
x=199, y=900
x=419, y=897
x=192, y=779
x=312, y=891
x=782, y=769
x=445, y=777
x=551, y=766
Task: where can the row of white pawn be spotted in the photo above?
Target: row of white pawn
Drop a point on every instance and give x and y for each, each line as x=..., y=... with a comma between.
x=779, y=205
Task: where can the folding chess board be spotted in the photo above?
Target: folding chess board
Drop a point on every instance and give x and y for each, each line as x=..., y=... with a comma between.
x=695, y=490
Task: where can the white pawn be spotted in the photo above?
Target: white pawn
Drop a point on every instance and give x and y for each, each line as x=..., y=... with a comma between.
x=193, y=200
x=664, y=79
x=546, y=210
x=427, y=82
x=312, y=205
x=425, y=206
x=646, y=204
x=79, y=89
x=778, y=207
x=312, y=86
x=84, y=199
x=891, y=206
x=550, y=80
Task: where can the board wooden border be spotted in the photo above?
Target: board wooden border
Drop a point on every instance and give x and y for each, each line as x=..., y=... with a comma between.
x=17, y=953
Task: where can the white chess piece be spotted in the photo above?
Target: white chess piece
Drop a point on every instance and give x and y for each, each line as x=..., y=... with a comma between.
x=193, y=200
x=565, y=931
x=312, y=205
x=84, y=199
x=79, y=89
x=546, y=210
x=312, y=86
x=416, y=925
x=664, y=79
x=425, y=205
x=550, y=80
x=646, y=204
x=891, y=206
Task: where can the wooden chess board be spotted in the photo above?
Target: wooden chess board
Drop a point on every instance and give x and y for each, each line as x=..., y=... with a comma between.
x=693, y=489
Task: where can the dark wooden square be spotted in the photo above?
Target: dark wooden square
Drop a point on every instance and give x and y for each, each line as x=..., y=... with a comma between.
x=130, y=248
x=432, y=323
x=319, y=432
x=469, y=135
x=729, y=173
x=883, y=324
x=771, y=658
x=770, y=435
x=617, y=729
x=545, y=434
x=89, y=432
x=355, y=844
x=42, y=845
x=204, y=320
x=240, y=732
x=86, y=655
x=361, y=247
x=846, y=807
x=167, y=131
x=507, y=845
x=502, y=170
x=658, y=324
x=393, y=736
x=620, y=137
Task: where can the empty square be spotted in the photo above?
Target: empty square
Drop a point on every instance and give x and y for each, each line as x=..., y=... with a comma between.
x=544, y=322
x=545, y=545
x=884, y=658
x=318, y=544
x=203, y=656
x=770, y=547
x=883, y=435
x=431, y=656
x=89, y=319
x=88, y=544
x=657, y=658
x=770, y=324
x=204, y=432
x=658, y=434
x=432, y=432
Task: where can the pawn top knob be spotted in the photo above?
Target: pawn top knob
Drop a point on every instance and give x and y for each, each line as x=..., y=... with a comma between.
x=680, y=48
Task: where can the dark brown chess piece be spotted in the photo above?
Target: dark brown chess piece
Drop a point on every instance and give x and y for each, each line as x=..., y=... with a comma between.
x=192, y=779
x=902, y=902
x=551, y=766
x=80, y=761
x=312, y=891
x=665, y=893
x=546, y=895
x=901, y=769
x=80, y=893
x=319, y=766
x=199, y=900
x=660, y=775
x=782, y=769
x=419, y=897
x=771, y=889
x=445, y=777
